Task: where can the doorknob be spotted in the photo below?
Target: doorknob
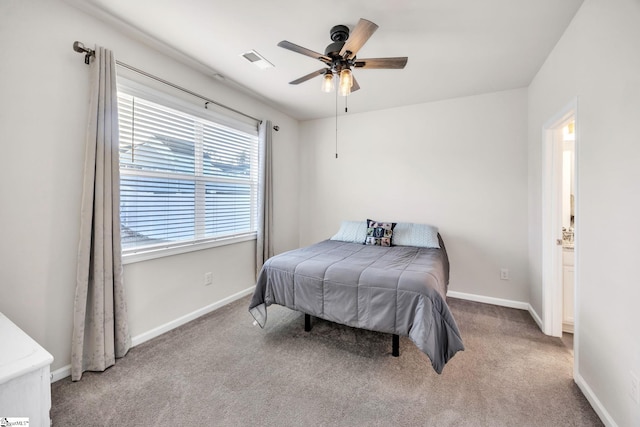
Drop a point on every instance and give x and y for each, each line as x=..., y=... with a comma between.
x=559, y=242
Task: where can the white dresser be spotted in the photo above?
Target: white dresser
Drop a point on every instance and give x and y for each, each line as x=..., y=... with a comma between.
x=25, y=384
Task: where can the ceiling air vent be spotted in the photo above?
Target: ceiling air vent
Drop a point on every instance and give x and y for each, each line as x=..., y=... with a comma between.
x=256, y=59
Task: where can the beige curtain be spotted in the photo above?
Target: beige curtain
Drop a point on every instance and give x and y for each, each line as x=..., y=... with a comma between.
x=264, y=244
x=100, y=329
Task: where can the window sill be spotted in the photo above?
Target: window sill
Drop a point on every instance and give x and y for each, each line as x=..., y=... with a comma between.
x=145, y=255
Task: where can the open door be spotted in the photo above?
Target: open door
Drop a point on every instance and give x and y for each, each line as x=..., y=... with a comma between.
x=558, y=221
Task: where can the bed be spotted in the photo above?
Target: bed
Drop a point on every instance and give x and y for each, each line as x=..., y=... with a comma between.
x=395, y=289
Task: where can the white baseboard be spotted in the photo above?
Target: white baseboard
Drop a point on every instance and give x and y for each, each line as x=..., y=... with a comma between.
x=146, y=336
x=489, y=300
x=61, y=373
x=499, y=301
x=65, y=371
x=537, y=318
x=597, y=406
x=586, y=390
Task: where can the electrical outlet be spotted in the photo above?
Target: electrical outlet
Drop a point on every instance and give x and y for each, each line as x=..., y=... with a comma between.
x=208, y=278
x=504, y=274
x=635, y=388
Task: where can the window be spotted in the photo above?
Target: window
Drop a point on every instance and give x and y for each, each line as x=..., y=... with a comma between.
x=184, y=178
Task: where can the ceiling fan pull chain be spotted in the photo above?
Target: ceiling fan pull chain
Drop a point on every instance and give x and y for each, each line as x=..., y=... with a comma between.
x=346, y=104
x=336, y=124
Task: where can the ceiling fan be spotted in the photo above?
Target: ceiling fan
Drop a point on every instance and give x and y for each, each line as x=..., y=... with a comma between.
x=340, y=57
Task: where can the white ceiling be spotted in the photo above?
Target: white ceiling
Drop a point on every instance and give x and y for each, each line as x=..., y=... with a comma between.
x=455, y=47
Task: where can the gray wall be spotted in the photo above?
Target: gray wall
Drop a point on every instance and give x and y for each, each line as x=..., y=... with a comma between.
x=43, y=116
x=459, y=164
x=597, y=61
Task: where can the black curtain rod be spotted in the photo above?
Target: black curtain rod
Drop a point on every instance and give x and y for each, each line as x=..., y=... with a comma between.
x=80, y=48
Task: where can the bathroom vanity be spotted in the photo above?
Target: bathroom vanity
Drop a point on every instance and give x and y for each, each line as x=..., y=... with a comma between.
x=568, y=264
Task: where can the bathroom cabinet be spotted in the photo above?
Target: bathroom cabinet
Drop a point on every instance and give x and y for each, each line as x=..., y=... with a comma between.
x=567, y=289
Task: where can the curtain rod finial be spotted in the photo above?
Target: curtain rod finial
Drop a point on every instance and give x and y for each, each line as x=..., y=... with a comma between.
x=79, y=47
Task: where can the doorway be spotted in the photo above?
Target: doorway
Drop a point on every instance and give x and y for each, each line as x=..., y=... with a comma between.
x=559, y=220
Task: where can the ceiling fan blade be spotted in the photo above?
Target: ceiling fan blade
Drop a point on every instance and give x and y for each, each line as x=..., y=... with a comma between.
x=308, y=76
x=397, y=62
x=355, y=86
x=359, y=36
x=304, y=51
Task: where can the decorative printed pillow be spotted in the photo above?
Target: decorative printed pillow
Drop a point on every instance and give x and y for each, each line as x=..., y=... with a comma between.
x=418, y=235
x=379, y=233
x=351, y=232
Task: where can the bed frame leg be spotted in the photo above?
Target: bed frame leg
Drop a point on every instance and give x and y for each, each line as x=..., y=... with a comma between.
x=395, y=351
x=307, y=322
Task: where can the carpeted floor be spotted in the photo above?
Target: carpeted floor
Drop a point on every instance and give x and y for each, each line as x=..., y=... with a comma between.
x=219, y=370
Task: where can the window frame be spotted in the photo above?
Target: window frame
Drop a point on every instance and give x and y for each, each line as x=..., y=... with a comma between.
x=152, y=94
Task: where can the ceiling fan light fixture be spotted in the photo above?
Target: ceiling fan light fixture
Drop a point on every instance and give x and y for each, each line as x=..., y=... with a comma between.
x=340, y=56
x=327, y=82
x=346, y=81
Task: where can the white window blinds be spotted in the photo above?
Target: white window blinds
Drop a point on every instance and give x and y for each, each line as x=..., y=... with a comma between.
x=183, y=178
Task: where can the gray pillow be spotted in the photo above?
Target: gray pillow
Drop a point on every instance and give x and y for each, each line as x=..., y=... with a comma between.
x=419, y=235
x=351, y=232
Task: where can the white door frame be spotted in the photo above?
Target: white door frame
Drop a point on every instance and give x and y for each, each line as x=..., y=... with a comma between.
x=552, y=219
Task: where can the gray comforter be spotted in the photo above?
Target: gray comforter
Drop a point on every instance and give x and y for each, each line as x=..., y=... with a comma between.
x=399, y=290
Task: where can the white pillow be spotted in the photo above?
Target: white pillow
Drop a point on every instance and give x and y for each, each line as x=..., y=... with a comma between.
x=352, y=232
x=419, y=235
